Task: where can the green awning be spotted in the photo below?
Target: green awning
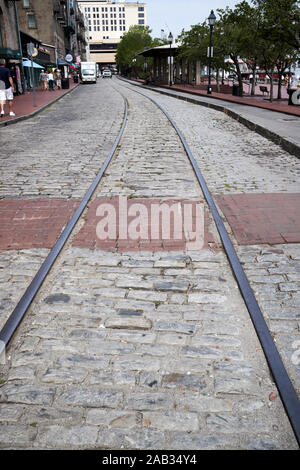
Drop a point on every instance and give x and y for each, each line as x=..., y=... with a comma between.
x=7, y=53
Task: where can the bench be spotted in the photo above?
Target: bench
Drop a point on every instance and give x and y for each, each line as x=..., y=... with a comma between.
x=264, y=89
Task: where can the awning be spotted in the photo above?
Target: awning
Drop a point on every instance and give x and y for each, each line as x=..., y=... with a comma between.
x=27, y=63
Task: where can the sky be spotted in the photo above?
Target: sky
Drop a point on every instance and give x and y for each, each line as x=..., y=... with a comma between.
x=175, y=15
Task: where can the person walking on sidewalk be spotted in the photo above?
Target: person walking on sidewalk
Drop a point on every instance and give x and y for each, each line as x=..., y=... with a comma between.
x=44, y=80
x=51, y=81
x=6, y=88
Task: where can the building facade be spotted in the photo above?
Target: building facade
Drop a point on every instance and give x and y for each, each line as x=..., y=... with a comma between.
x=108, y=21
x=10, y=41
x=58, y=25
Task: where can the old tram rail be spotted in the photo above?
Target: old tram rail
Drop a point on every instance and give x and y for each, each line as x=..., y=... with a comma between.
x=285, y=388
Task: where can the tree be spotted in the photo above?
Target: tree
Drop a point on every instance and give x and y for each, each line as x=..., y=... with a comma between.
x=276, y=42
x=250, y=19
x=195, y=44
x=232, y=25
x=282, y=21
x=133, y=42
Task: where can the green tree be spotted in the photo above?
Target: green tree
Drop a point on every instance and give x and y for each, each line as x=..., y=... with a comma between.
x=232, y=29
x=281, y=21
x=195, y=43
x=136, y=40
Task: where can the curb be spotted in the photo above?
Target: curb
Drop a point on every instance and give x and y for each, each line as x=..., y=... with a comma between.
x=286, y=144
x=39, y=110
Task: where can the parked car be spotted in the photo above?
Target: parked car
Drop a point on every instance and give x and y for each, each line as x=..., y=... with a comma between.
x=106, y=73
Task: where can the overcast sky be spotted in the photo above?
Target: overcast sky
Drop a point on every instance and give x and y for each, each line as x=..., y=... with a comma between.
x=175, y=15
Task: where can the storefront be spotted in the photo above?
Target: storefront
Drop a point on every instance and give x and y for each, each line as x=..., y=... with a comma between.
x=32, y=72
x=13, y=62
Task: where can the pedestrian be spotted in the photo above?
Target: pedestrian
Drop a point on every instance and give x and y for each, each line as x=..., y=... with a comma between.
x=6, y=88
x=51, y=81
x=58, y=78
x=44, y=80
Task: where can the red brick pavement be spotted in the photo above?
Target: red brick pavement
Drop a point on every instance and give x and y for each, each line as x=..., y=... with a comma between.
x=23, y=104
x=280, y=106
x=253, y=218
x=263, y=218
x=87, y=237
x=33, y=223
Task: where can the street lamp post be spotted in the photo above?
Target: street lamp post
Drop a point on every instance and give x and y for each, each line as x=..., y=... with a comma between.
x=170, y=39
x=211, y=21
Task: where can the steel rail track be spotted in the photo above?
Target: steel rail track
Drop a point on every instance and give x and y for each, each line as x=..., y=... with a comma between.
x=21, y=308
x=285, y=387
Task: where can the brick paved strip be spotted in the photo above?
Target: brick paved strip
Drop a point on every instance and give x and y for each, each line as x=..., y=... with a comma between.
x=33, y=223
x=88, y=236
x=263, y=218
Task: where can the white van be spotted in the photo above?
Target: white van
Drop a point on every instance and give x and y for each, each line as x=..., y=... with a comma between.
x=88, y=72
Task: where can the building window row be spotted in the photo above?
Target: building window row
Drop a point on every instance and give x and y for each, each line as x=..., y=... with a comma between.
x=95, y=9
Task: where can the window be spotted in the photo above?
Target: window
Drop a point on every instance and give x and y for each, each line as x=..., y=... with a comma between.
x=141, y=15
x=141, y=8
x=26, y=3
x=31, y=21
x=1, y=39
x=141, y=21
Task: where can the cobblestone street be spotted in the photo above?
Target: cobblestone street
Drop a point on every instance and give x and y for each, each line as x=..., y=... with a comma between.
x=136, y=349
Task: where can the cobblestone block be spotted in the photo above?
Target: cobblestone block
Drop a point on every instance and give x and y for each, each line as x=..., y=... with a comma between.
x=137, y=363
x=205, y=298
x=11, y=413
x=131, y=439
x=149, y=380
x=64, y=375
x=128, y=323
x=19, y=436
x=112, y=379
x=229, y=424
x=171, y=421
x=172, y=286
x=93, y=398
x=182, y=328
x=236, y=385
x=28, y=394
x=22, y=373
x=202, y=441
x=171, y=338
x=114, y=418
x=132, y=336
x=149, y=401
x=196, y=382
x=65, y=437
x=108, y=348
x=202, y=403
x=84, y=361
x=147, y=295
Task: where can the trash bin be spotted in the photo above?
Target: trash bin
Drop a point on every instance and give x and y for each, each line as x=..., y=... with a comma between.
x=291, y=91
x=65, y=84
x=75, y=78
x=235, y=90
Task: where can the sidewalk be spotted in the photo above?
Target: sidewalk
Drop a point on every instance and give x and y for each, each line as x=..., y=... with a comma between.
x=23, y=105
x=258, y=101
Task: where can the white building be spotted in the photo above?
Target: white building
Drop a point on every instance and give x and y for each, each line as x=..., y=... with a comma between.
x=108, y=21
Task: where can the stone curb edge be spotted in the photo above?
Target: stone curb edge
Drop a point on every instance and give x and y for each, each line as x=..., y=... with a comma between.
x=286, y=144
x=39, y=110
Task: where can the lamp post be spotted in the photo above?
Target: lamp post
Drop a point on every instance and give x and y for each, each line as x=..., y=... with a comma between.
x=170, y=39
x=211, y=21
